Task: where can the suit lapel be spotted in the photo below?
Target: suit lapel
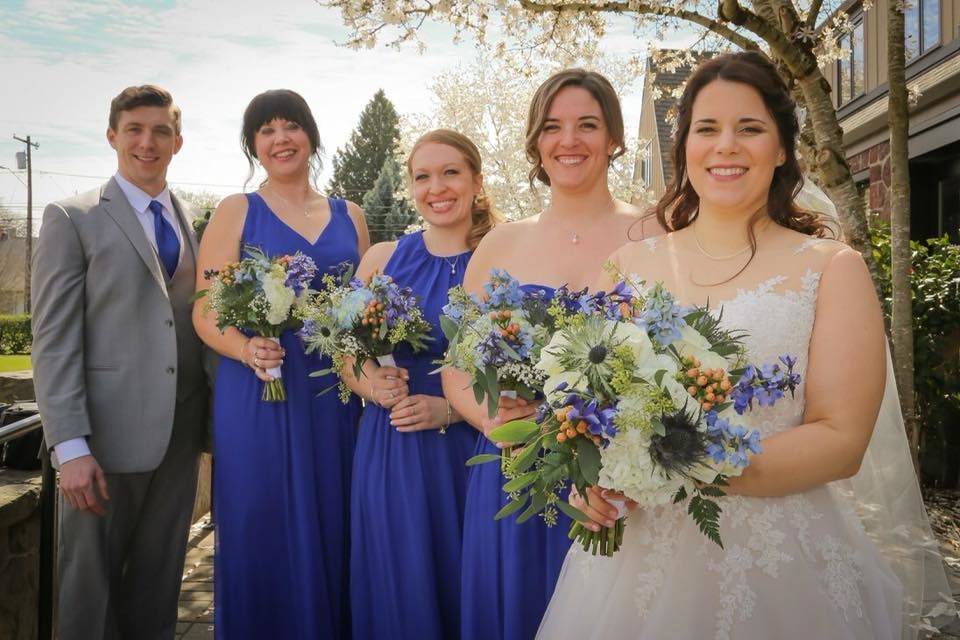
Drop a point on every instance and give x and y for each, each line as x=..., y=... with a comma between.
x=117, y=207
x=186, y=225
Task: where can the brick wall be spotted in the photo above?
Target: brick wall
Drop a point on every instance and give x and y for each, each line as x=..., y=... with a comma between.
x=876, y=161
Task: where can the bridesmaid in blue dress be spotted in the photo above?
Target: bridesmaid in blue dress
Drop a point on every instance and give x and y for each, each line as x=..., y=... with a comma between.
x=574, y=132
x=409, y=475
x=282, y=475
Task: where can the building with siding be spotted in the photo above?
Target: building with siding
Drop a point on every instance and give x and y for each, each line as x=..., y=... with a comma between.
x=859, y=83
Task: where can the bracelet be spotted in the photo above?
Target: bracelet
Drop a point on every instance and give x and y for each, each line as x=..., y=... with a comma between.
x=373, y=398
x=443, y=429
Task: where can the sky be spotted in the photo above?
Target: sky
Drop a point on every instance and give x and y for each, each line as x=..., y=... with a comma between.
x=62, y=61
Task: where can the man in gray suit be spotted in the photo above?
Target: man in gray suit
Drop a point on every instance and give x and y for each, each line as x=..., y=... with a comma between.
x=119, y=380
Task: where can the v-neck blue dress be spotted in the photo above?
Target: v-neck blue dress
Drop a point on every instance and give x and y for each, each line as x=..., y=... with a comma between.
x=409, y=488
x=281, y=488
x=509, y=569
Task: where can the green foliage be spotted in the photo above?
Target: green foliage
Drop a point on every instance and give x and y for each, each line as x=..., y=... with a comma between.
x=935, y=284
x=388, y=214
x=357, y=165
x=15, y=334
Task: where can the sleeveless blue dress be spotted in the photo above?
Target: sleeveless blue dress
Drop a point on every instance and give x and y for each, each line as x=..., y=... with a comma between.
x=407, y=499
x=509, y=569
x=282, y=474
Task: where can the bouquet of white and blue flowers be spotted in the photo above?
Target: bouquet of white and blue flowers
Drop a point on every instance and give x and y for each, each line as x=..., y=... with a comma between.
x=350, y=318
x=644, y=397
x=259, y=294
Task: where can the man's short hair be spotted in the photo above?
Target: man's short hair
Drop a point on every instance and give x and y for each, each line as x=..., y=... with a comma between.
x=148, y=95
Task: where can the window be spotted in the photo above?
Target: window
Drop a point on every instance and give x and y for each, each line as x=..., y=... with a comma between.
x=646, y=163
x=850, y=67
x=921, y=27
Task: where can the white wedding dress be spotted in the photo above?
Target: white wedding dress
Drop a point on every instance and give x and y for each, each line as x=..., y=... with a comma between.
x=823, y=564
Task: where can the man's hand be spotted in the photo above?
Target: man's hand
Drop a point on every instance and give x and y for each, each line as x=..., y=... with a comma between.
x=80, y=479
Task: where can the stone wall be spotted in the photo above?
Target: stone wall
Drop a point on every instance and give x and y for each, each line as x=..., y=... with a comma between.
x=16, y=385
x=19, y=554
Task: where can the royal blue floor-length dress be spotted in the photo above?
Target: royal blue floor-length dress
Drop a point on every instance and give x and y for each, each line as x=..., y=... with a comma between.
x=282, y=476
x=509, y=569
x=407, y=500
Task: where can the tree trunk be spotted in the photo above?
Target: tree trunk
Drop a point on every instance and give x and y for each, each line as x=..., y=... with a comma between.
x=901, y=321
x=832, y=166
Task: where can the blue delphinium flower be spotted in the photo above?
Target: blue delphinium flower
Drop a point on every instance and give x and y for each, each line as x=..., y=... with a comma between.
x=490, y=351
x=766, y=385
x=662, y=317
x=599, y=421
x=301, y=270
x=503, y=291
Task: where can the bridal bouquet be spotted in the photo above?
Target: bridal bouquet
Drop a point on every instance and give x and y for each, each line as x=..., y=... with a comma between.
x=259, y=294
x=649, y=404
x=350, y=318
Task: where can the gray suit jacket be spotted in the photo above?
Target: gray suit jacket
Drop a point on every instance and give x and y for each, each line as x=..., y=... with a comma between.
x=114, y=350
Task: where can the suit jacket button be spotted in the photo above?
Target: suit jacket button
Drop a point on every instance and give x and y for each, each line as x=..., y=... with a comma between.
x=170, y=370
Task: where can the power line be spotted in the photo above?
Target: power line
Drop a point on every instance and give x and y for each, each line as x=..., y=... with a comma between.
x=90, y=177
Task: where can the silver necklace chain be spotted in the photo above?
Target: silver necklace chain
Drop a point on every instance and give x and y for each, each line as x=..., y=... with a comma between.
x=306, y=210
x=709, y=255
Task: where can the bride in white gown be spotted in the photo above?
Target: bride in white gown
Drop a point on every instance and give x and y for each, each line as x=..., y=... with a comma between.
x=824, y=536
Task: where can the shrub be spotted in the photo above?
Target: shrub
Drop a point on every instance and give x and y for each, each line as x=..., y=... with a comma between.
x=15, y=336
x=935, y=284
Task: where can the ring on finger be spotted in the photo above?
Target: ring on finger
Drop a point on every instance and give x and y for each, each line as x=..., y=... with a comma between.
x=256, y=361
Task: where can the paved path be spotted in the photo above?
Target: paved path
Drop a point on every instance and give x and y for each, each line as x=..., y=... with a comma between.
x=195, y=619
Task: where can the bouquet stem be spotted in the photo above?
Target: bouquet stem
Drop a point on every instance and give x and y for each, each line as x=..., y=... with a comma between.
x=605, y=542
x=273, y=391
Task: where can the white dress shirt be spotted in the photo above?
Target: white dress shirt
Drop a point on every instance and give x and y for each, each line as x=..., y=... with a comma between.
x=140, y=201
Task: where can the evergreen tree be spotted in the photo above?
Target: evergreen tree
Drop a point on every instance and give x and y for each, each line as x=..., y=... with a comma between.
x=387, y=213
x=357, y=165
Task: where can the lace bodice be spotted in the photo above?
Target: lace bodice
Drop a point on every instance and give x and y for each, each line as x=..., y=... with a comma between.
x=778, y=320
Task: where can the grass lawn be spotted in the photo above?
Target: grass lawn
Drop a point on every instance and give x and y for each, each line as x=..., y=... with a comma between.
x=14, y=363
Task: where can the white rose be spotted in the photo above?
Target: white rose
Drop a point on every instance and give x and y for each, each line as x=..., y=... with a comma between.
x=694, y=345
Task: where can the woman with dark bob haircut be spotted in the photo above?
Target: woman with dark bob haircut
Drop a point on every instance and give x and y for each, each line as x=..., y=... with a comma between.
x=574, y=132
x=823, y=536
x=282, y=477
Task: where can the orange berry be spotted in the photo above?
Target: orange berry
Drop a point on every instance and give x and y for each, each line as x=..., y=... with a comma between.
x=711, y=398
x=561, y=414
x=596, y=440
x=725, y=384
x=721, y=398
x=702, y=381
x=581, y=427
x=561, y=437
x=693, y=373
x=571, y=433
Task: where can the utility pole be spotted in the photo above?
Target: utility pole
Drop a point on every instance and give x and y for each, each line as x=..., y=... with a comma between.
x=28, y=165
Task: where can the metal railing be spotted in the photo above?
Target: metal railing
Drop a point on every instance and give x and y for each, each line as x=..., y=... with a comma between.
x=48, y=521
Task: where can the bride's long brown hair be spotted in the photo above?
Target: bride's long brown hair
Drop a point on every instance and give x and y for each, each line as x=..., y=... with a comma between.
x=679, y=206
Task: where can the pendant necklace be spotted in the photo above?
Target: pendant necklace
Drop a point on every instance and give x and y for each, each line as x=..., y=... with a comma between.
x=453, y=264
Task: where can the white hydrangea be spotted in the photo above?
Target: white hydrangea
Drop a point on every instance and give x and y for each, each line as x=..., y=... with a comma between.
x=279, y=297
x=628, y=468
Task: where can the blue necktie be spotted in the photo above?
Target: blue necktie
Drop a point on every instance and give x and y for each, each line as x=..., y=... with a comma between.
x=168, y=246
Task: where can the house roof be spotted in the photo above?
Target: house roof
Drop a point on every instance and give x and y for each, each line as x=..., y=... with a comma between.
x=668, y=77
